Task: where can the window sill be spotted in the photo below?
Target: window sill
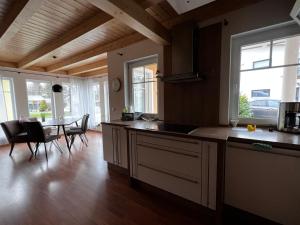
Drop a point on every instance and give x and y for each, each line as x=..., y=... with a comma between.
x=256, y=121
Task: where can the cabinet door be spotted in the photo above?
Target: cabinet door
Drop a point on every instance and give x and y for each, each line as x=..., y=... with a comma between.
x=107, y=140
x=132, y=153
x=116, y=145
x=209, y=174
x=265, y=184
x=122, y=147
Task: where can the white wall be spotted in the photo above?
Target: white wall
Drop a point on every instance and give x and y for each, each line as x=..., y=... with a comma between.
x=117, y=69
x=262, y=14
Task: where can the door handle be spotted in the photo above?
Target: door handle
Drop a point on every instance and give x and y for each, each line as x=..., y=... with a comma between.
x=262, y=146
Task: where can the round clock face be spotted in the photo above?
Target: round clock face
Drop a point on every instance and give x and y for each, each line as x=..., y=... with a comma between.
x=116, y=85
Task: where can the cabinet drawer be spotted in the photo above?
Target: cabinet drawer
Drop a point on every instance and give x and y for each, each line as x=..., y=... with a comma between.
x=184, y=167
x=169, y=142
x=179, y=164
x=181, y=187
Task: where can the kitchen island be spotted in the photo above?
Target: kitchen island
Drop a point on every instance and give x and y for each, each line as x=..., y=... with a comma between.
x=211, y=166
x=221, y=133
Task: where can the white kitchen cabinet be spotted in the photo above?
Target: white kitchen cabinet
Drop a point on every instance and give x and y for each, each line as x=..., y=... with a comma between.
x=184, y=167
x=115, y=145
x=266, y=184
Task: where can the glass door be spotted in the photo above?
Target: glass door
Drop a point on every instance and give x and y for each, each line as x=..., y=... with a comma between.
x=98, y=101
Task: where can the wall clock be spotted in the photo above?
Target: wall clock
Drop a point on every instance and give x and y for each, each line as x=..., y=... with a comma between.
x=116, y=84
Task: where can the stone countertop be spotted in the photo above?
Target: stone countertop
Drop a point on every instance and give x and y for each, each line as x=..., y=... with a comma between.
x=135, y=124
x=222, y=134
x=242, y=135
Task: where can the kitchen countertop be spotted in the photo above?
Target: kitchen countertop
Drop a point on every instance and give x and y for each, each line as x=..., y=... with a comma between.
x=221, y=134
x=242, y=135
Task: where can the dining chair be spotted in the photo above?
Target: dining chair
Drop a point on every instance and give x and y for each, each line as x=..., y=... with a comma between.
x=15, y=133
x=47, y=130
x=37, y=134
x=80, y=131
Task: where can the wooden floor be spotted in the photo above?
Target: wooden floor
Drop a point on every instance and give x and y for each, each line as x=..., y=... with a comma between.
x=77, y=189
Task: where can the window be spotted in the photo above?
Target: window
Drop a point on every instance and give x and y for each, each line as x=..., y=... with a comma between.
x=39, y=99
x=260, y=93
x=261, y=64
x=143, y=86
x=97, y=103
x=265, y=71
x=67, y=99
x=105, y=102
x=7, y=104
x=7, y=109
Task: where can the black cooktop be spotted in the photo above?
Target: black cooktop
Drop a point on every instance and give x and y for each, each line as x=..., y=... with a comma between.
x=176, y=128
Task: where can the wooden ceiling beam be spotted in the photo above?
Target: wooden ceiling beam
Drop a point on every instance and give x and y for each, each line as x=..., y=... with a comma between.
x=86, y=26
x=37, y=68
x=40, y=69
x=88, y=67
x=133, y=15
x=100, y=72
x=8, y=64
x=17, y=15
x=120, y=43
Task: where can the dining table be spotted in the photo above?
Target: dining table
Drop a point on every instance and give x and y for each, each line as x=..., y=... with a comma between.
x=62, y=123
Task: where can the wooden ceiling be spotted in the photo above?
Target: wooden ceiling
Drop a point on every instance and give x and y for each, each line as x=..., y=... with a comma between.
x=73, y=36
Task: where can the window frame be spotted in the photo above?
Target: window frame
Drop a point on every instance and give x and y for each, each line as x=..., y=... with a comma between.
x=129, y=92
x=283, y=30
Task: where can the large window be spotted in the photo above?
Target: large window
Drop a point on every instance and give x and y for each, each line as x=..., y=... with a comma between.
x=143, y=86
x=266, y=73
x=97, y=102
x=97, y=99
x=7, y=109
x=67, y=99
x=39, y=99
x=7, y=104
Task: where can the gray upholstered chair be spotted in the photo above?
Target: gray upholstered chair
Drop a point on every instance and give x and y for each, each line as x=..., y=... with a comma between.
x=15, y=133
x=37, y=134
x=80, y=131
x=47, y=130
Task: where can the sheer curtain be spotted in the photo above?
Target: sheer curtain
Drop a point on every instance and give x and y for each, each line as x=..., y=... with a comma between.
x=93, y=92
x=90, y=96
x=105, y=99
x=83, y=100
x=3, y=112
x=78, y=97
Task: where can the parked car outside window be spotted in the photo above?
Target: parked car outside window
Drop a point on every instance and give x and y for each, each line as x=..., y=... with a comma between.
x=265, y=108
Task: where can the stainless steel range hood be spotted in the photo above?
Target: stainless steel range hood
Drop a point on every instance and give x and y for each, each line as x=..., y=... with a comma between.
x=185, y=63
